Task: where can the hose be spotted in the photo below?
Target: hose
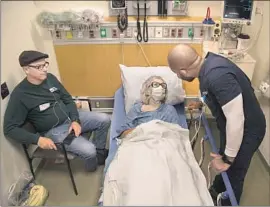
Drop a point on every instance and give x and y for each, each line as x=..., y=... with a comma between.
x=202, y=152
x=139, y=33
x=145, y=25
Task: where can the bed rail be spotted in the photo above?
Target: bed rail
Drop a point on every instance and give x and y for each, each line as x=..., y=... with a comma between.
x=229, y=191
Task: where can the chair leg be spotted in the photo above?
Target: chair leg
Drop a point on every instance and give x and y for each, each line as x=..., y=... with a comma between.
x=69, y=170
x=29, y=162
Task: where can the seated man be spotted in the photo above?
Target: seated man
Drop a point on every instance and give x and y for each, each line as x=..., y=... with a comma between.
x=152, y=106
x=43, y=101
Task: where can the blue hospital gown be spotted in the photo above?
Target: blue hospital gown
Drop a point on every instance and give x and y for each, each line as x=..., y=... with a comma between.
x=135, y=116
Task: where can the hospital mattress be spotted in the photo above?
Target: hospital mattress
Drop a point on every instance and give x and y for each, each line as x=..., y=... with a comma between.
x=119, y=114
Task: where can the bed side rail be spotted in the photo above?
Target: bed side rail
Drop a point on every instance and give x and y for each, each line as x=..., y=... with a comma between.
x=229, y=191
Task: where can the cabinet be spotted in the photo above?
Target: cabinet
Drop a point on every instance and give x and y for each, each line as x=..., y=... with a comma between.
x=246, y=64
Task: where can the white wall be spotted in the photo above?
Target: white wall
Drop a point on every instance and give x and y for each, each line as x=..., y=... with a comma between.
x=196, y=8
x=17, y=34
x=261, y=53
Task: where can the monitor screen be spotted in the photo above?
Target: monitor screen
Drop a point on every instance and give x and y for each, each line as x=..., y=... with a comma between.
x=238, y=9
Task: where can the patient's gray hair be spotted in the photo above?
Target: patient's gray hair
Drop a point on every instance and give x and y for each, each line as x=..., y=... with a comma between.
x=146, y=89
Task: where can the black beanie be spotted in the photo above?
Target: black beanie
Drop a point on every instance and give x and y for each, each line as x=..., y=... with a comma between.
x=30, y=56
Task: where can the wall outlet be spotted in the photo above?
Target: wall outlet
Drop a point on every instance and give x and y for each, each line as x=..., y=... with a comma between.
x=129, y=32
x=264, y=87
x=258, y=10
x=180, y=32
x=92, y=34
x=114, y=33
x=151, y=32
x=158, y=33
x=166, y=32
x=173, y=32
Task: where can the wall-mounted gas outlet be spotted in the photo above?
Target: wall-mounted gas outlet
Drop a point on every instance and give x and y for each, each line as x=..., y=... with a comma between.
x=166, y=32
x=114, y=33
x=92, y=34
x=180, y=32
x=158, y=33
x=173, y=32
x=129, y=32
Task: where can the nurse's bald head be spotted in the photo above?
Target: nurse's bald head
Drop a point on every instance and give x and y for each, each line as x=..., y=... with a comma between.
x=184, y=61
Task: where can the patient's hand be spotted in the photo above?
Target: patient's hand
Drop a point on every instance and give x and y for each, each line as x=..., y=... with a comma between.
x=125, y=133
x=46, y=143
x=195, y=105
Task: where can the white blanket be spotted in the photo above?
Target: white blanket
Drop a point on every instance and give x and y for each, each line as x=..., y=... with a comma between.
x=155, y=166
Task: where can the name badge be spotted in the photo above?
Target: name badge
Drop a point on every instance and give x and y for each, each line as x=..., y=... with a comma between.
x=53, y=89
x=204, y=93
x=43, y=107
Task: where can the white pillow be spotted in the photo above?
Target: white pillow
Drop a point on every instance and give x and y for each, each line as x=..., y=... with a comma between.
x=134, y=77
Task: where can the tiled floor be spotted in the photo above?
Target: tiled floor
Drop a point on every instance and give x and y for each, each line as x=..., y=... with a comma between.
x=56, y=179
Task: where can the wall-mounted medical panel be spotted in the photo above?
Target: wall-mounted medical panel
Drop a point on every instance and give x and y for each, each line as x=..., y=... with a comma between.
x=150, y=8
x=158, y=32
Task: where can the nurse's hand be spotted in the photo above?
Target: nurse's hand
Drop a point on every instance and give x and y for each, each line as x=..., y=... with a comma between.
x=218, y=164
x=195, y=105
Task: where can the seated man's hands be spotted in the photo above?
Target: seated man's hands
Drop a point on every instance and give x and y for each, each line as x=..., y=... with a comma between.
x=46, y=143
x=76, y=127
x=195, y=105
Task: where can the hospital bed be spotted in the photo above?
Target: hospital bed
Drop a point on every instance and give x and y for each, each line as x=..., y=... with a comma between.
x=119, y=115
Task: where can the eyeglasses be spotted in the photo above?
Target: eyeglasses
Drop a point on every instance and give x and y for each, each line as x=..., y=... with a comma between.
x=156, y=85
x=40, y=67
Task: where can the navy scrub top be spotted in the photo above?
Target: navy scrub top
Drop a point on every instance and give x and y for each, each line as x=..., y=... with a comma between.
x=220, y=82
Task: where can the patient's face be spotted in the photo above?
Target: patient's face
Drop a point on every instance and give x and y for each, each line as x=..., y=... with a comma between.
x=158, y=89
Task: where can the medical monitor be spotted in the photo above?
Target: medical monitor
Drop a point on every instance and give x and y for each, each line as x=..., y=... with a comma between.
x=238, y=11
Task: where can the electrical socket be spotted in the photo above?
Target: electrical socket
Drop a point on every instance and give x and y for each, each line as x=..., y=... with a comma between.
x=258, y=10
x=264, y=87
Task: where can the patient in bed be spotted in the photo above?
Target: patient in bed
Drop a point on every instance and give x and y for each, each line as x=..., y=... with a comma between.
x=152, y=106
